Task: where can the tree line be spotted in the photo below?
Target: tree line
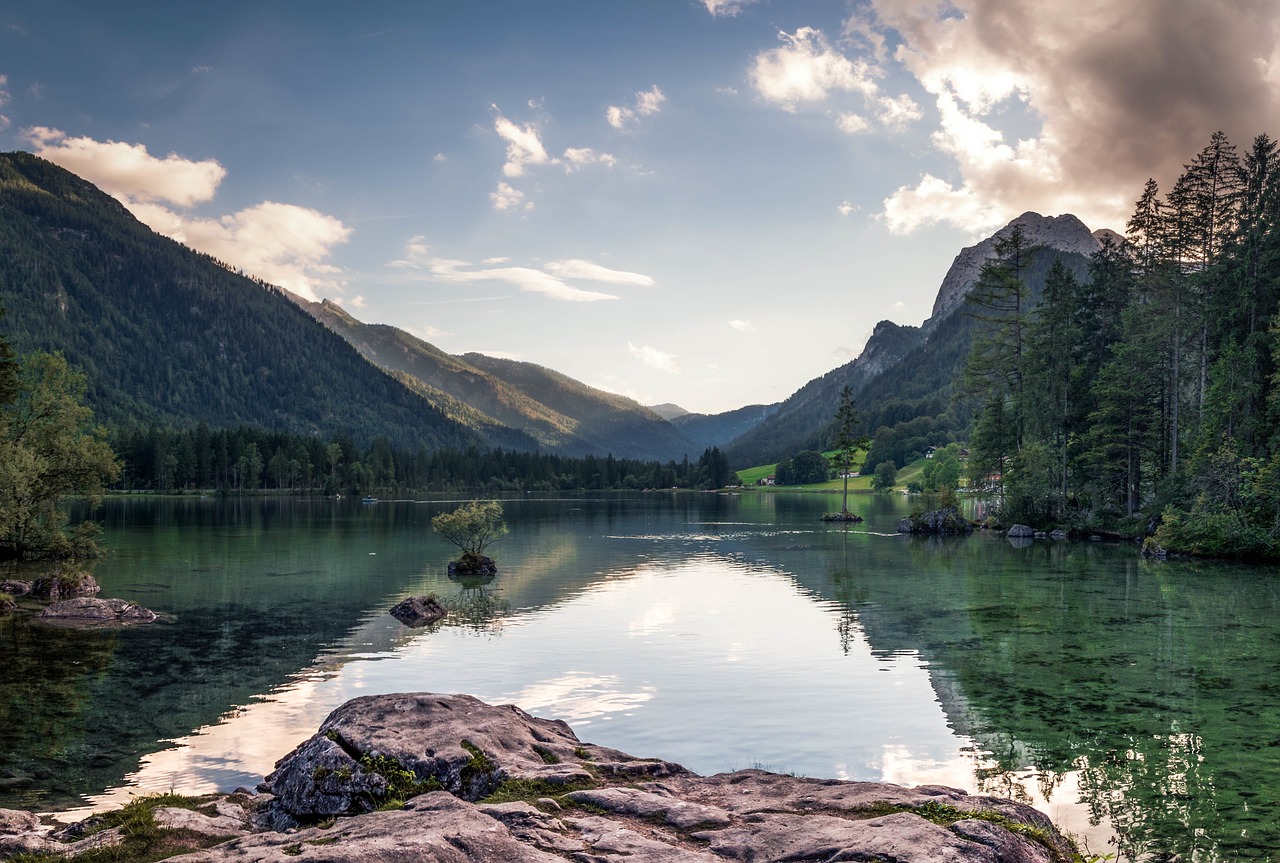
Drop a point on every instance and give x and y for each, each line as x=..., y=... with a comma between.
x=248, y=458
x=1146, y=393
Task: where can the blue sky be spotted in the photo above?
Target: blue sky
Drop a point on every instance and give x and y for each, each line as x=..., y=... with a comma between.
x=704, y=202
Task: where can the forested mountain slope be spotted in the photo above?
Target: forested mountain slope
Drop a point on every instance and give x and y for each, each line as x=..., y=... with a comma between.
x=605, y=422
x=563, y=415
x=907, y=373
x=169, y=336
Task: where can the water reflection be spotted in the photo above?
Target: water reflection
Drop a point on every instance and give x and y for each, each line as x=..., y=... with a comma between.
x=720, y=632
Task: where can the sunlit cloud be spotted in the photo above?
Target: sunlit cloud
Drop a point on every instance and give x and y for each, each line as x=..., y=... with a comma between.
x=4, y=100
x=646, y=102
x=807, y=69
x=654, y=358
x=1113, y=93
x=524, y=146
x=282, y=244
x=418, y=256
x=845, y=208
x=128, y=170
x=578, y=269
x=741, y=326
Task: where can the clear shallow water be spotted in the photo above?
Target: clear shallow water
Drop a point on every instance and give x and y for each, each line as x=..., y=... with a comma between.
x=1137, y=702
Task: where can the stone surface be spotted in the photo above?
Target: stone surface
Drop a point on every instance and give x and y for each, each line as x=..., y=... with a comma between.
x=64, y=585
x=1064, y=232
x=90, y=610
x=1021, y=531
x=619, y=809
x=15, y=587
x=944, y=522
x=418, y=611
x=17, y=821
x=436, y=738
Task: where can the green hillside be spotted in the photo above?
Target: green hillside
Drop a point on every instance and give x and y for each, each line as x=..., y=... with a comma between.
x=169, y=336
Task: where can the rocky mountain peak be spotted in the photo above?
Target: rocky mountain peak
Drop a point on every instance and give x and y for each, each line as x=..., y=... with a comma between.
x=1064, y=232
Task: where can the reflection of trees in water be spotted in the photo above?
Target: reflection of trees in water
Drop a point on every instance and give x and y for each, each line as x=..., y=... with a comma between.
x=55, y=668
x=1149, y=687
x=476, y=607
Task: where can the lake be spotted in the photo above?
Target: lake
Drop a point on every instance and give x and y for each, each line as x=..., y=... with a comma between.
x=1137, y=702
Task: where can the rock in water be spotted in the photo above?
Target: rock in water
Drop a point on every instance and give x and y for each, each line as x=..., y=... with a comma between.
x=945, y=522
x=1021, y=530
x=418, y=610
x=64, y=585
x=572, y=800
x=90, y=610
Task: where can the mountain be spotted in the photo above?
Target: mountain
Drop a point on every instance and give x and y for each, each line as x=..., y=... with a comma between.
x=717, y=430
x=558, y=412
x=905, y=373
x=168, y=336
x=1065, y=233
x=668, y=411
x=605, y=422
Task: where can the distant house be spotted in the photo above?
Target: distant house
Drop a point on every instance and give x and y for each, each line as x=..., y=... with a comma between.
x=930, y=452
x=765, y=480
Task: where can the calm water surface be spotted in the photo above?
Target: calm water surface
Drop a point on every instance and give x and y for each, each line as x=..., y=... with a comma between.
x=1136, y=702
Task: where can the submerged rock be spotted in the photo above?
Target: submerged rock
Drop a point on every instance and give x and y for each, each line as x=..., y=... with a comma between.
x=90, y=610
x=418, y=610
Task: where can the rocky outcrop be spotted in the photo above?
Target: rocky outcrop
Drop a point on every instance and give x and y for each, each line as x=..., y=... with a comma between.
x=15, y=587
x=492, y=783
x=1064, y=232
x=939, y=522
x=473, y=565
x=88, y=610
x=1021, y=531
x=418, y=611
x=65, y=584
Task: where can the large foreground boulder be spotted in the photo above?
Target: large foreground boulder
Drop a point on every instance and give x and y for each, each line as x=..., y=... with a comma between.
x=494, y=783
x=489, y=784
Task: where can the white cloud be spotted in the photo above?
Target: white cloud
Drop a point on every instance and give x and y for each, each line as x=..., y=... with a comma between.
x=1069, y=105
x=439, y=157
x=578, y=269
x=807, y=69
x=357, y=302
x=852, y=124
x=506, y=197
x=4, y=100
x=741, y=326
x=128, y=170
x=899, y=112
x=282, y=244
x=655, y=358
x=845, y=208
x=524, y=146
x=580, y=157
x=725, y=8
x=418, y=256
x=646, y=102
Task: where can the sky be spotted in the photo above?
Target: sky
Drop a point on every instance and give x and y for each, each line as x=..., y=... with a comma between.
x=701, y=202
